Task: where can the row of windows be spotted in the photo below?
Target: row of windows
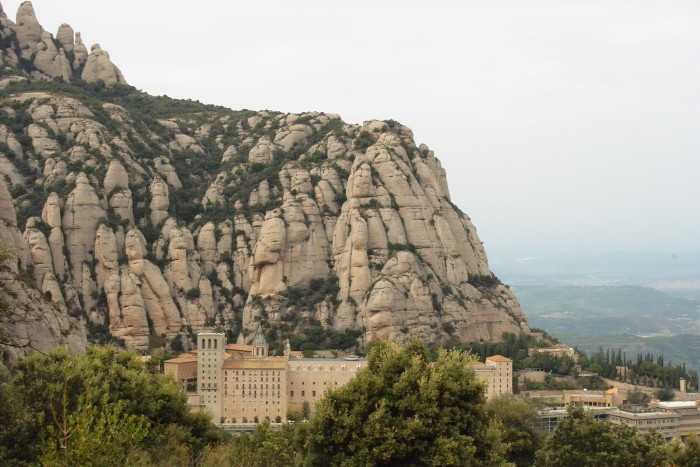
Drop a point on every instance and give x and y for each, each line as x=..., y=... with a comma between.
x=255, y=395
x=267, y=379
x=291, y=383
x=321, y=368
x=254, y=372
x=253, y=386
x=207, y=343
x=303, y=393
x=254, y=403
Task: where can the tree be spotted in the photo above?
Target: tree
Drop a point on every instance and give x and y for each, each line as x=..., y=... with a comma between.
x=521, y=440
x=403, y=410
x=264, y=448
x=687, y=455
x=93, y=435
x=33, y=400
x=581, y=441
x=665, y=394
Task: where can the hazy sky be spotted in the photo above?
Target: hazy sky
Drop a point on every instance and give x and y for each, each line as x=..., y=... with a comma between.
x=562, y=124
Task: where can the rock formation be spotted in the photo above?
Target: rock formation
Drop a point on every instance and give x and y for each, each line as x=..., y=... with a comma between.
x=99, y=67
x=158, y=228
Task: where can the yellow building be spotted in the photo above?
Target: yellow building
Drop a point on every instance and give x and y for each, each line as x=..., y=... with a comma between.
x=255, y=387
x=239, y=383
x=308, y=379
x=613, y=397
x=497, y=373
x=183, y=369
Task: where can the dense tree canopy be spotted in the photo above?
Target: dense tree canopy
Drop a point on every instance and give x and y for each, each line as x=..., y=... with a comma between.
x=580, y=441
x=403, y=410
x=107, y=408
x=48, y=391
x=517, y=422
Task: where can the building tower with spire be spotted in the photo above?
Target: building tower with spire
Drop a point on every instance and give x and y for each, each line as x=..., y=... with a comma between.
x=260, y=347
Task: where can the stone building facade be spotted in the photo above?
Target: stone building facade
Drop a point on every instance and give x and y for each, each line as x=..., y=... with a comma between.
x=497, y=373
x=242, y=383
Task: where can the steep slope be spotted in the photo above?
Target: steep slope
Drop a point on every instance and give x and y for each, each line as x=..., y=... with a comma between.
x=160, y=217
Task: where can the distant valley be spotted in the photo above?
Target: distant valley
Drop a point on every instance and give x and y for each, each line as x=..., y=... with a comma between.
x=609, y=310
x=646, y=302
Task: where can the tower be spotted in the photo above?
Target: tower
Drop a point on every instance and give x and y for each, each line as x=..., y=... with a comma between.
x=210, y=360
x=260, y=347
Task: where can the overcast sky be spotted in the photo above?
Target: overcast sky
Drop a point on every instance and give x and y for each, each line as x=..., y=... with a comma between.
x=562, y=124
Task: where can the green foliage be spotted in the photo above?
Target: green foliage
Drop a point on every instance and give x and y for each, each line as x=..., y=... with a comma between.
x=664, y=394
x=484, y=281
x=318, y=290
x=193, y=293
x=34, y=399
x=401, y=410
x=394, y=247
x=93, y=434
x=312, y=336
x=687, y=454
x=363, y=141
x=264, y=448
x=581, y=441
x=517, y=419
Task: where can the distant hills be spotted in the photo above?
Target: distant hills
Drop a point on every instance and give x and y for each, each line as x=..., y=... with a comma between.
x=609, y=310
x=676, y=349
x=632, y=318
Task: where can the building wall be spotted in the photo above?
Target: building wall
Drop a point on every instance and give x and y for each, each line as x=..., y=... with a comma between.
x=308, y=379
x=487, y=375
x=689, y=420
x=210, y=361
x=665, y=423
x=255, y=387
x=183, y=370
x=503, y=379
x=237, y=382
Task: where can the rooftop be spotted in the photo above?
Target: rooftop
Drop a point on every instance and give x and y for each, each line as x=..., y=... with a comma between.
x=499, y=358
x=239, y=347
x=677, y=404
x=259, y=339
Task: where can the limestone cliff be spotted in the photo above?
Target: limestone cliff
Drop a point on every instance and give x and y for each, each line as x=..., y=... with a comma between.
x=147, y=219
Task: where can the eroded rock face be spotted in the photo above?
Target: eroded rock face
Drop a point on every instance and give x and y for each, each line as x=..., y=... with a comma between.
x=98, y=67
x=7, y=209
x=28, y=29
x=80, y=218
x=231, y=218
x=159, y=200
x=263, y=152
x=267, y=267
x=106, y=254
x=80, y=52
x=116, y=177
x=167, y=172
x=65, y=37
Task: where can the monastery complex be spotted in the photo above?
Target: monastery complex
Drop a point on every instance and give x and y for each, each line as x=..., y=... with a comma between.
x=243, y=383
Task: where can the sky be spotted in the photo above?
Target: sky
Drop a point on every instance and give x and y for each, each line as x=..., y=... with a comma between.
x=563, y=125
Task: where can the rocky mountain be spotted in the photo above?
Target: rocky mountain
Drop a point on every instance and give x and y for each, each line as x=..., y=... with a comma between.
x=148, y=219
